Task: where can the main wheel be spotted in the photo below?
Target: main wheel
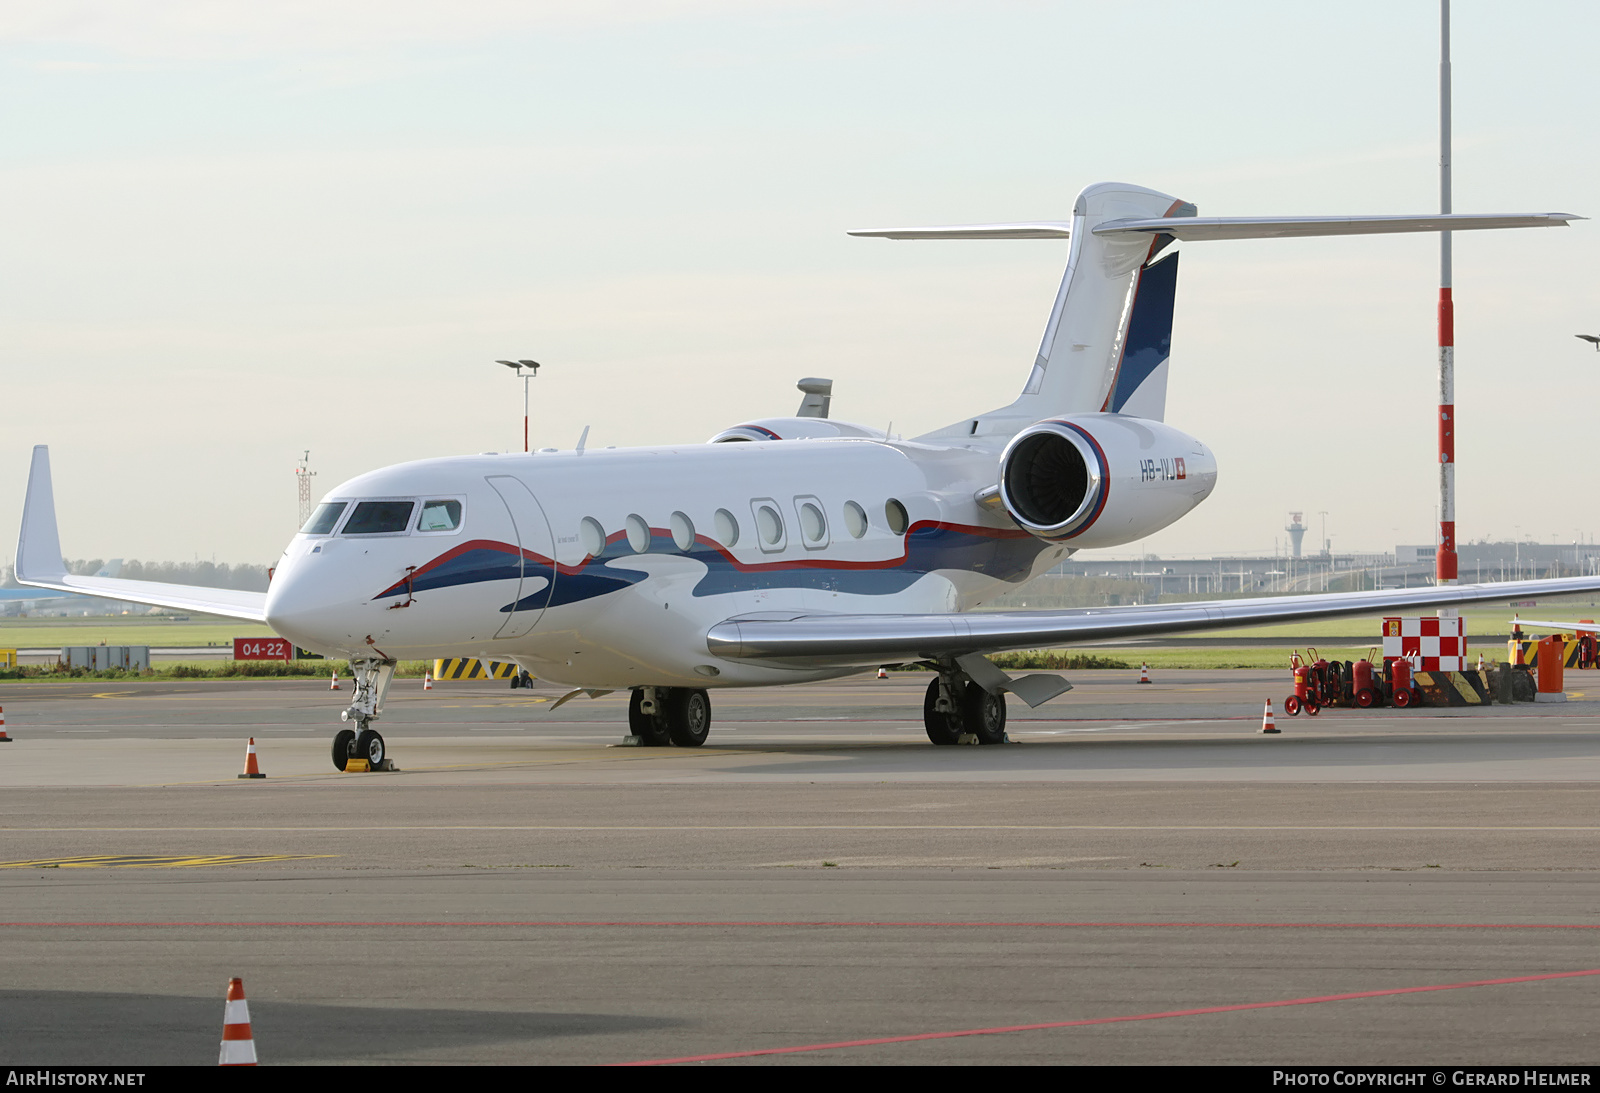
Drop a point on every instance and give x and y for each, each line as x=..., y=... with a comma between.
x=688, y=716
x=1291, y=705
x=342, y=741
x=651, y=729
x=369, y=746
x=943, y=728
x=984, y=714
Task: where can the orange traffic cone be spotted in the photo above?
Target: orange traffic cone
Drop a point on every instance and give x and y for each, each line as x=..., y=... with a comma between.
x=334, y=686
x=1144, y=673
x=1267, y=724
x=238, y=1046
x=883, y=673
x=250, y=768
x=4, y=739
x=427, y=682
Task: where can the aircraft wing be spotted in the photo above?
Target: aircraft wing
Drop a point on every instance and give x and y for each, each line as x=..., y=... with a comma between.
x=39, y=563
x=1560, y=627
x=817, y=640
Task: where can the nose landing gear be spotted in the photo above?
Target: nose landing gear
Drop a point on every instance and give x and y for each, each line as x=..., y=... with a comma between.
x=372, y=679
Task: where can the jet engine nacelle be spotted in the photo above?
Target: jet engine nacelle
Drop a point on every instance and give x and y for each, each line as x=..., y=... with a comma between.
x=1099, y=480
x=793, y=428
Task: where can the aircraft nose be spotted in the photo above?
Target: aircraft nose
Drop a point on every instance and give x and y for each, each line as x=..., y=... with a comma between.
x=306, y=605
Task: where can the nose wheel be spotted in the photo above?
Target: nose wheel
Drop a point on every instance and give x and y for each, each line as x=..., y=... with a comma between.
x=366, y=744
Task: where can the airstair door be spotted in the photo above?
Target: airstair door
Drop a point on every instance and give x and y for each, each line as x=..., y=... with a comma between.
x=533, y=537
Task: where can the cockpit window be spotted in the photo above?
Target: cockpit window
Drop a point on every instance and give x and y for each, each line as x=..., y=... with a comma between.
x=440, y=516
x=379, y=517
x=323, y=520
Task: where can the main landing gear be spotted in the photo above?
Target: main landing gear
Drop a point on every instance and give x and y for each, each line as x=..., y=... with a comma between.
x=372, y=678
x=958, y=711
x=658, y=716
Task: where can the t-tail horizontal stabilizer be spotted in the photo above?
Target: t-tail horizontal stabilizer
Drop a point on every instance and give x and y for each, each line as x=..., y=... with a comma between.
x=39, y=563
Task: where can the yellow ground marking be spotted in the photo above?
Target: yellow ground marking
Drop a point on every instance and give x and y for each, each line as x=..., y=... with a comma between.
x=154, y=861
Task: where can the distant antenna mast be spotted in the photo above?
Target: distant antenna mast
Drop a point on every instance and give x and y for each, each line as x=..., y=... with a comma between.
x=303, y=474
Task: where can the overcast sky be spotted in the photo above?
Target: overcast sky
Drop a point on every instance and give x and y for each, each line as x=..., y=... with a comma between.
x=237, y=231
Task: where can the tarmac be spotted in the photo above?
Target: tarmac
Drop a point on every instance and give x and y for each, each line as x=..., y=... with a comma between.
x=1141, y=877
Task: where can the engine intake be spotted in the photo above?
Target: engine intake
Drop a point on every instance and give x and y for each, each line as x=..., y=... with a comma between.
x=1053, y=475
x=1102, y=479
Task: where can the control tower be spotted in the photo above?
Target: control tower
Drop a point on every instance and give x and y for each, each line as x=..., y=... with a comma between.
x=1297, y=532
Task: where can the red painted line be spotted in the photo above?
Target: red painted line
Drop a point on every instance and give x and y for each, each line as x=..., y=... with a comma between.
x=821, y=924
x=1108, y=1020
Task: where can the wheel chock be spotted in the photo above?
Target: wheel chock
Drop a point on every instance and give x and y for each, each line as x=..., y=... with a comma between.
x=356, y=766
x=630, y=742
x=967, y=738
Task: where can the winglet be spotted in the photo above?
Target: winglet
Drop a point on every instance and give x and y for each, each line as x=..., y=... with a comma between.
x=39, y=544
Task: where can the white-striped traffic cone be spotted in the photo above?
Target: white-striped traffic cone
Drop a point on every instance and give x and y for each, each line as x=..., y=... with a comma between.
x=883, y=673
x=1480, y=662
x=1269, y=726
x=427, y=682
x=334, y=686
x=238, y=1046
x=250, y=768
x=4, y=739
x=1144, y=673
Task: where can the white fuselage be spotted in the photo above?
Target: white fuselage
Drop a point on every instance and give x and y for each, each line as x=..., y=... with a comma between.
x=606, y=568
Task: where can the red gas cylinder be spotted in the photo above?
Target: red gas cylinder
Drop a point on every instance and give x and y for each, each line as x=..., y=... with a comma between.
x=1363, y=685
x=1400, y=682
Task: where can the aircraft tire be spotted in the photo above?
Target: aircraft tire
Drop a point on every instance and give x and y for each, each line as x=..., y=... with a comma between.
x=369, y=746
x=942, y=728
x=688, y=716
x=651, y=731
x=984, y=714
x=341, y=748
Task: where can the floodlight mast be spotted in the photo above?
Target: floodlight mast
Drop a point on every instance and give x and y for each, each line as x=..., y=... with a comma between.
x=1445, y=557
x=532, y=369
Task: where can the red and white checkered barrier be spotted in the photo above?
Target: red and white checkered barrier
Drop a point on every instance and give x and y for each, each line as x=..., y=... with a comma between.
x=1431, y=644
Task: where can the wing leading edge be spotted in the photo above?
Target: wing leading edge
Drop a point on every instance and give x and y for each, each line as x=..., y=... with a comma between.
x=39, y=563
x=865, y=640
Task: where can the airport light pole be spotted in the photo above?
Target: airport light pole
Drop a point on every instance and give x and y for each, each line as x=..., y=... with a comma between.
x=1445, y=556
x=527, y=370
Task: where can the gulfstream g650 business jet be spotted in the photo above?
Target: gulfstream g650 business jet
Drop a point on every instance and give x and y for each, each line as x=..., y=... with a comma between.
x=792, y=549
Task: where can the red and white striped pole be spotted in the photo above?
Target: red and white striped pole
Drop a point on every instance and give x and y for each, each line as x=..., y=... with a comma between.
x=1445, y=559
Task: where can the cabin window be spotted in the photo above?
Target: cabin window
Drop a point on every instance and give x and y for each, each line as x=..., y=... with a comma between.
x=439, y=516
x=683, y=532
x=592, y=536
x=895, y=514
x=813, y=525
x=855, y=519
x=769, y=524
x=324, y=518
x=379, y=518
x=727, y=528
x=638, y=533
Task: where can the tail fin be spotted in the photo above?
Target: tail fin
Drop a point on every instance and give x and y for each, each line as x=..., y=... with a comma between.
x=1110, y=332
x=1106, y=345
